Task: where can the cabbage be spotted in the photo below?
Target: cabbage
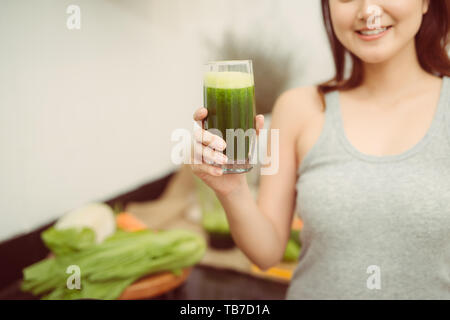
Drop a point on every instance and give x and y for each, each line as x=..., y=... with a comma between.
x=97, y=216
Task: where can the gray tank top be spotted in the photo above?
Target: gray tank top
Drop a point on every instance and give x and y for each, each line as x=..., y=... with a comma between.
x=375, y=227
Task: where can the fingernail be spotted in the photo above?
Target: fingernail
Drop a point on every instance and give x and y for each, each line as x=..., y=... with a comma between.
x=218, y=171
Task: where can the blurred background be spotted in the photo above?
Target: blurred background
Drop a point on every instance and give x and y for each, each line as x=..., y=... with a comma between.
x=87, y=114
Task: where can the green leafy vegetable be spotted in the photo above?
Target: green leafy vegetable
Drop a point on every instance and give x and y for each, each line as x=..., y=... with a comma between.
x=292, y=251
x=295, y=236
x=293, y=247
x=64, y=241
x=108, y=268
x=215, y=221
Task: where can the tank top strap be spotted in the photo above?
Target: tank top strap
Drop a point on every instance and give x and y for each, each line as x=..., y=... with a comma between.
x=326, y=142
x=332, y=105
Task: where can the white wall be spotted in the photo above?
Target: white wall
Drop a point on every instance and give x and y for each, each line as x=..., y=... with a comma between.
x=87, y=114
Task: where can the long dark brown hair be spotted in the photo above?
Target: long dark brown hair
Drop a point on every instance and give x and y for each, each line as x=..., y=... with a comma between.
x=432, y=41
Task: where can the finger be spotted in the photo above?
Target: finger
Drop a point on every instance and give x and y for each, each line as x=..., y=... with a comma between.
x=259, y=123
x=214, y=156
x=206, y=154
x=208, y=139
x=200, y=114
x=200, y=169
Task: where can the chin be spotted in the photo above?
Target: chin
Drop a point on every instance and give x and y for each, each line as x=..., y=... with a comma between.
x=374, y=55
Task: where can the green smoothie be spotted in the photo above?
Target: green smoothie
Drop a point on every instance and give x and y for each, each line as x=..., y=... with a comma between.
x=230, y=100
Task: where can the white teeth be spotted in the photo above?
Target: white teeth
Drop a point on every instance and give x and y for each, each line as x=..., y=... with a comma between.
x=372, y=32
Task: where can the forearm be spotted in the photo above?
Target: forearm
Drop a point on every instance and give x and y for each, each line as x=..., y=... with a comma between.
x=253, y=232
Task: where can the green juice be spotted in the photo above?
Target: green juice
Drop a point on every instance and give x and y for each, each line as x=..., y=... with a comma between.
x=230, y=100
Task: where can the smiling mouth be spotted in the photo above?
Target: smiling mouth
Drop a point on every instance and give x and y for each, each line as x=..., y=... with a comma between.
x=373, y=32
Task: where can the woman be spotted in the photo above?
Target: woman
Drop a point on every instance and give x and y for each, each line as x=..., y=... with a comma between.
x=366, y=158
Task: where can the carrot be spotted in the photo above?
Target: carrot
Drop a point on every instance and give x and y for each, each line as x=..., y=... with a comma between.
x=297, y=224
x=275, y=272
x=127, y=222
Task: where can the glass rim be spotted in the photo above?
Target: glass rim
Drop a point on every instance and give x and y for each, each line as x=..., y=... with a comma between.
x=228, y=62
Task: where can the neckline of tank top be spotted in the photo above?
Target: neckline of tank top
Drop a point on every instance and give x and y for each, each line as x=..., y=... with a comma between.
x=438, y=116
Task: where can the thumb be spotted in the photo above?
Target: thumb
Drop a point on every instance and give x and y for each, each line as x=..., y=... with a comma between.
x=259, y=123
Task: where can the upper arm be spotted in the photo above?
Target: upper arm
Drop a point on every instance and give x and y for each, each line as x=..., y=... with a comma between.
x=277, y=192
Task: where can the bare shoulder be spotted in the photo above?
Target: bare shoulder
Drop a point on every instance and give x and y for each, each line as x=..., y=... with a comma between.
x=298, y=106
x=300, y=112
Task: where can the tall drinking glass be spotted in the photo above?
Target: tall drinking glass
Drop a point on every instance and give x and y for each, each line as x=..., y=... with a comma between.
x=229, y=96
